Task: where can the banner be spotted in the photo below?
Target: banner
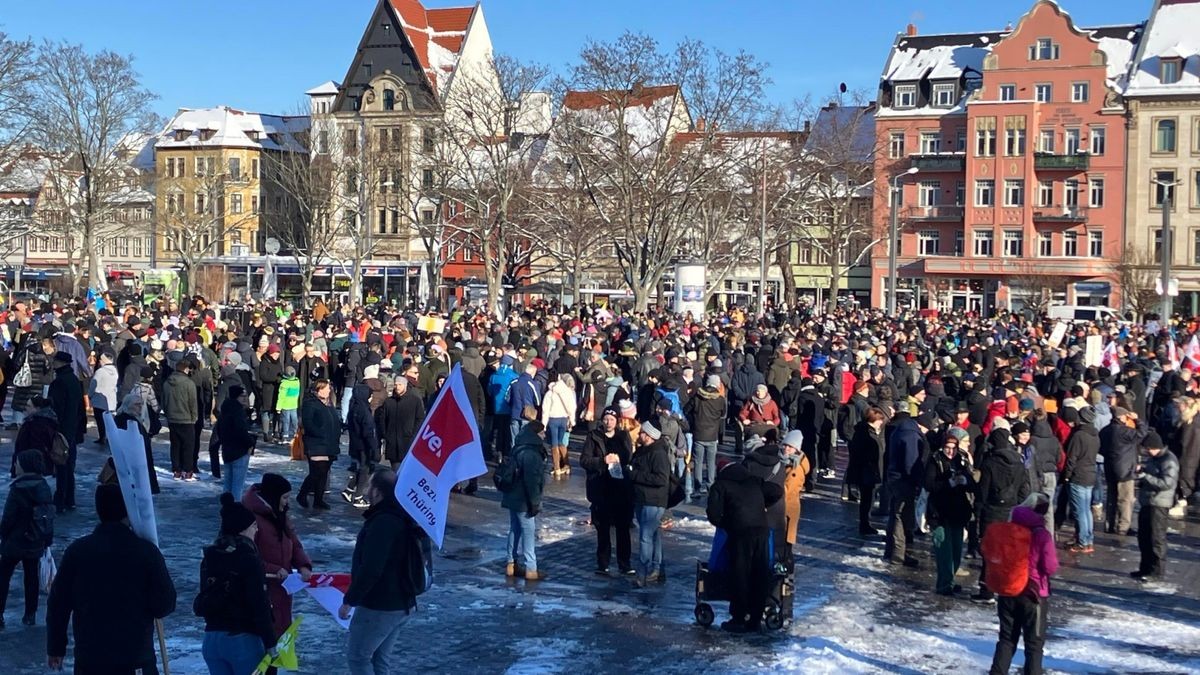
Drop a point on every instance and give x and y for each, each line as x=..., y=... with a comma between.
x=431, y=324
x=1095, y=350
x=1057, y=335
x=1109, y=359
x=446, y=451
x=285, y=651
x=1192, y=353
x=129, y=459
x=329, y=590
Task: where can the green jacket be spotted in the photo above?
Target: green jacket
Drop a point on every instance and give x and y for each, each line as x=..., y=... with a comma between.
x=289, y=394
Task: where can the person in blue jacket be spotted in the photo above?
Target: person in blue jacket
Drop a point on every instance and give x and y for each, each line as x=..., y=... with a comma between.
x=499, y=386
x=525, y=392
x=907, y=450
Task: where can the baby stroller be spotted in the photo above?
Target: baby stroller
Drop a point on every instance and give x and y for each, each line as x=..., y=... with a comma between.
x=712, y=585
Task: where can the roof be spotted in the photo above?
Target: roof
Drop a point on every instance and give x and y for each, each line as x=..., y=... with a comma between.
x=232, y=128
x=437, y=35
x=1118, y=44
x=938, y=57
x=1170, y=33
x=25, y=173
x=604, y=98
x=327, y=88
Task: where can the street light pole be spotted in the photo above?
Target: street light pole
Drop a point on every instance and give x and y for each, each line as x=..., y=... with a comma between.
x=762, y=240
x=892, y=238
x=1165, y=310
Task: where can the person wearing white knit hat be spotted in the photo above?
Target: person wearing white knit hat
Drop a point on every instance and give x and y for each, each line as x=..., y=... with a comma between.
x=649, y=471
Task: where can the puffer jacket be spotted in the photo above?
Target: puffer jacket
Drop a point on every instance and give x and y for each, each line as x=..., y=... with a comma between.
x=650, y=471
x=706, y=413
x=1043, y=559
x=1046, y=448
x=1082, y=448
x=1159, y=478
x=1003, y=481
x=364, y=437
x=322, y=428
x=102, y=390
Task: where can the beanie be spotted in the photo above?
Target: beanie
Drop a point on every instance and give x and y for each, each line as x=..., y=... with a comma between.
x=110, y=504
x=272, y=487
x=794, y=438
x=1151, y=441
x=30, y=461
x=651, y=431
x=234, y=517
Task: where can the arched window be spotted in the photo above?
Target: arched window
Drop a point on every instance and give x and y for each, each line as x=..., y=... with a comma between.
x=389, y=99
x=1164, y=136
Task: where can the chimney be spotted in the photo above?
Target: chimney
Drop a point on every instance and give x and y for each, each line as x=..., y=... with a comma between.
x=911, y=30
x=807, y=126
x=701, y=123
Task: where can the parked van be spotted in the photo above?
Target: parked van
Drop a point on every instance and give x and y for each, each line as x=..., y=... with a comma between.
x=1095, y=313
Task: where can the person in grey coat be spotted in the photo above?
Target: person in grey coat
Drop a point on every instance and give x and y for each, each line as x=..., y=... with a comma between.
x=102, y=391
x=1157, y=479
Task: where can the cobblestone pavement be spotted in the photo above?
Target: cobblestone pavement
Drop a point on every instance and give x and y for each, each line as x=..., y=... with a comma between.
x=852, y=612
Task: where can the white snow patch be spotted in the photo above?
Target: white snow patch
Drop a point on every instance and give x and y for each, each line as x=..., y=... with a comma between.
x=557, y=528
x=689, y=524
x=545, y=655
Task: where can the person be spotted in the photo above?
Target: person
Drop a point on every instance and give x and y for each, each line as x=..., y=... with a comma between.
x=759, y=413
x=864, y=468
x=232, y=600
x=649, y=471
x=1079, y=475
x=499, y=393
x=288, y=404
x=398, y=420
x=102, y=391
x=278, y=545
x=706, y=413
x=270, y=373
x=26, y=530
x=381, y=593
x=738, y=504
x=1003, y=484
x=181, y=404
x=949, y=482
x=140, y=406
x=609, y=491
x=37, y=432
x=786, y=466
x=66, y=397
x=558, y=416
x=1025, y=615
x=322, y=442
x=524, y=501
x=237, y=440
x=111, y=586
x=363, y=445
x=1157, y=479
x=37, y=355
x=1119, y=446
x=905, y=447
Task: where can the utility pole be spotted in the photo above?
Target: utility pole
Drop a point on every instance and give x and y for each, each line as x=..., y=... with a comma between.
x=893, y=242
x=762, y=240
x=1165, y=310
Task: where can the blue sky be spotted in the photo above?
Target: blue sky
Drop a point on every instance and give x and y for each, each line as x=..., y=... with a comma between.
x=262, y=55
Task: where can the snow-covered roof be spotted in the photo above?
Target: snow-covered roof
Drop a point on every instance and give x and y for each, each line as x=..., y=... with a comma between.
x=25, y=173
x=437, y=36
x=232, y=128
x=944, y=57
x=649, y=112
x=1173, y=32
x=327, y=88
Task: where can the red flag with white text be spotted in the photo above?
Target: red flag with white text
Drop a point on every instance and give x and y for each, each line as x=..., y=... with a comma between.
x=446, y=451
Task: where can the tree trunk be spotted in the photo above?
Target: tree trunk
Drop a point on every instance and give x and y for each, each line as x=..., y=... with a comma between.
x=785, y=272
x=493, y=271
x=576, y=284
x=356, y=276
x=433, y=276
x=306, y=284
x=835, y=284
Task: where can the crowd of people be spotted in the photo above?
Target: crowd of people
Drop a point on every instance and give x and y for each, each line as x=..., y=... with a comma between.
x=953, y=427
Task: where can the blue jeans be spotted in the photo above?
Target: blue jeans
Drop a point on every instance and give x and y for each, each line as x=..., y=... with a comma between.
x=373, y=635
x=235, y=476
x=685, y=474
x=1098, y=491
x=522, y=535
x=515, y=425
x=289, y=421
x=704, y=459
x=345, y=407
x=1081, y=501
x=649, y=520
x=557, y=432
x=232, y=653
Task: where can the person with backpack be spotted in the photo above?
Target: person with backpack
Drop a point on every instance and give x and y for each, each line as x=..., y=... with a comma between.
x=1157, y=479
x=38, y=431
x=383, y=585
x=609, y=491
x=649, y=470
x=1022, y=560
x=66, y=397
x=1003, y=484
x=521, y=480
x=26, y=530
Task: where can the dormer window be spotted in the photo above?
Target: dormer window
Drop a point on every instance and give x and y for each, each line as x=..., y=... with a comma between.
x=207, y=134
x=1043, y=50
x=252, y=135
x=944, y=95
x=906, y=96
x=181, y=135
x=1170, y=70
x=389, y=99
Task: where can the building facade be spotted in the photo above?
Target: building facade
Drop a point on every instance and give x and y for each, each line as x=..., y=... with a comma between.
x=1163, y=97
x=1008, y=150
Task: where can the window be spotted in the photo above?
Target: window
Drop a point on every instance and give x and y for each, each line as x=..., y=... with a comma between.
x=1071, y=193
x=983, y=242
x=254, y=204
x=322, y=142
x=1196, y=189
x=1014, y=192
x=985, y=192
x=235, y=168
x=1014, y=142
x=427, y=139
x=906, y=96
x=1079, y=92
x=1158, y=253
x=1008, y=92
x=1070, y=244
x=350, y=140
x=960, y=141
x=427, y=216
x=1013, y=242
x=200, y=202
x=958, y=243
x=960, y=193
x=1043, y=93
x=1095, y=244
x=944, y=96
x=1164, y=136
x=1164, y=188
x=1169, y=70
x=927, y=242
x=1045, y=244
x=931, y=143
x=1196, y=247
x=896, y=145
x=427, y=178
x=381, y=221
x=1071, y=141
x=1046, y=141
x=235, y=202
x=202, y=166
x=137, y=247
x=395, y=221
x=389, y=99
x=384, y=183
x=985, y=137
x=1095, y=192
x=1043, y=50
x=254, y=172
x=927, y=192
x=1045, y=193
x=1099, y=135
x=351, y=182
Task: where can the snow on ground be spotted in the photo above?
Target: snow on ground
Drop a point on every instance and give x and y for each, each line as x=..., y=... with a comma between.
x=545, y=655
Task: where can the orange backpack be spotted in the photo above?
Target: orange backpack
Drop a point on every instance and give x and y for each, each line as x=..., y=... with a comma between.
x=1006, y=549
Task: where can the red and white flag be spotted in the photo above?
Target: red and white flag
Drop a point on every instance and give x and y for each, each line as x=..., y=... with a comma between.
x=1109, y=358
x=1173, y=352
x=1192, y=352
x=446, y=451
x=329, y=590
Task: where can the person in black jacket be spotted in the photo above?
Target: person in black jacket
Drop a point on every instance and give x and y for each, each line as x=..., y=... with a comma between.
x=111, y=586
x=949, y=481
x=66, y=397
x=650, y=472
x=322, y=442
x=37, y=432
x=237, y=441
x=364, y=445
x=1079, y=474
x=381, y=593
x=706, y=412
x=611, y=496
x=233, y=602
x=270, y=372
x=26, y=529
x=524, y=500
x=1119, y=445
x=1003, y=484
x=738, y=504
x=864, y=468
x=398, y=419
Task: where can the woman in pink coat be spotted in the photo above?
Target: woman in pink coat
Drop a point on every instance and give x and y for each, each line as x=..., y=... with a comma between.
x=278, y=545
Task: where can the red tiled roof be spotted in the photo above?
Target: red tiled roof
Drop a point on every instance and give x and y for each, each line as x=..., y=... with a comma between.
x=446, y=26
x=583, y=100
x=449, y=19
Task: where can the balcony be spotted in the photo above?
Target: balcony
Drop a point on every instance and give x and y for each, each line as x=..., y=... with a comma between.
x=929, y=214
x=1060, y=214
x=1050, y=162
x=948, y=161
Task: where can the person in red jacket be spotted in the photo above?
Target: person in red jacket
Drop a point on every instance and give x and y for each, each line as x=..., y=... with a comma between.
x=760, y=413
x=278, y=545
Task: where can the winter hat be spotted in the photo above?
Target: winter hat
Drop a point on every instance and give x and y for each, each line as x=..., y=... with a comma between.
x=958, y=433
x=273, y=349
x=30, y=461
x=712, y=381
x=290, y=371
x=611, y=411
x=651, y=431
x=1152, y=441
x=626, y=407
x=1038, y=502
x=928, y=420
x=272, y=487
x=147, y=372
x=915, y=389
x=1119, y=412
x=1019, y=428
x=794, y=438
x=62, y=357
x=110, y=504
x=371, y=372
x=1087, y=415
x=234, y=517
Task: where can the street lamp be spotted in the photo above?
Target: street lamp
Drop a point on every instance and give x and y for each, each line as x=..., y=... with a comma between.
x=1168, y=188
x=892, y=242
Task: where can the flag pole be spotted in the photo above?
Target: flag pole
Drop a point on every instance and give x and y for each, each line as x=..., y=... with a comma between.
x=162, y=646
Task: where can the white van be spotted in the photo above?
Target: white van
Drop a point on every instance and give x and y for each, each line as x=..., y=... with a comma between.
x=1083, y=313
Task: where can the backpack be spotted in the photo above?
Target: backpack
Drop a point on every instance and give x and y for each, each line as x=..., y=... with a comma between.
x=671, y=396
x=1007, y=548
x=507, y=475
x=418, y=562
x=60, y=451
x=24, y=376
x=41, y=525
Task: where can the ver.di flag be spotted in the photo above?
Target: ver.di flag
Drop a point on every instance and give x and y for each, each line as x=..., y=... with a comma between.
x=446, y=451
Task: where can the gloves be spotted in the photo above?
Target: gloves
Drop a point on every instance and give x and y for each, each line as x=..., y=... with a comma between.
x=532, y=512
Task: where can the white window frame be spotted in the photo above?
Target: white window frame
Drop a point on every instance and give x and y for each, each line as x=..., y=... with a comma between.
x=1014, y=192
x=944, y=95
x=983, y=239
x=1095, y=193
x=930, y=143
x=1080, y=92
x=1097, y=140
x=985, y=192
x=929, y=193
x=896, y=145
x=1013, y=243
x=929, y=242
x=1095, y=243
x=1045, y=196
x=1043, y=92
x=1070, y=244
x=1045, y=245
x=902, y=92
x=1008, y=92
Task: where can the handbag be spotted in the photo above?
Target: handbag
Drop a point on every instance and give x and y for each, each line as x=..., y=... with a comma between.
x=297, y=449
x=24, y=376
x=47, y=570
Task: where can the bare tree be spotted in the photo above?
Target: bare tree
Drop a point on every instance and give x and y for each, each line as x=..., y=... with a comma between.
x=85, y=105
x=1033, y=287
x=17, y=74
x=199, y=218
x=1136, y=274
